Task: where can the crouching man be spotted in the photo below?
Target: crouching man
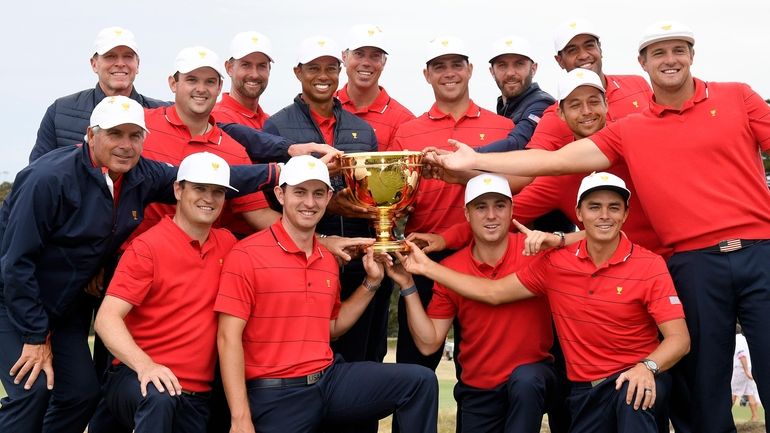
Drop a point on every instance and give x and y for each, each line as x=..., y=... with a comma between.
x=279, y=305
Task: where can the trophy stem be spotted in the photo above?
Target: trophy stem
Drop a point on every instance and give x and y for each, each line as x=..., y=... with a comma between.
x=383, y=227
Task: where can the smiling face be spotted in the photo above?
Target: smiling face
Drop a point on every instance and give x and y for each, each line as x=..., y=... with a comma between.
x=668, y=64
x=250, y=75
x=198, y=204
x=602, y=213
x=303, y=204
x=364, y=66
x=584, y=110
x=582, y=51
x=117, y=148
x=490, y=217
x=116, y=69
x=320, y=78
x=513, y=74
x=195, y=92
x=449, y=76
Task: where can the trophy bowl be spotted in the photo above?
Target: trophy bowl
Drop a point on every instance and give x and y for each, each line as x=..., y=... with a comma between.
x=387, y=181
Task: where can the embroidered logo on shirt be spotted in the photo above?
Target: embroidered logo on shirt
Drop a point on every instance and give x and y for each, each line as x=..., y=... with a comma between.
x=221, y=261
x=619, y=289
x=713, y=112
x=134, y=214
x=328, y=283
x=355, y=135
x=481, y=136
x=635, y=104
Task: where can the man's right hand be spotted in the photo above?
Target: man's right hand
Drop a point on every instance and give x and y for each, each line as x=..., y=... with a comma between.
x=241, y=426
x=428, y=242
x=161, y=376
x=342, y=204
x=34, y=359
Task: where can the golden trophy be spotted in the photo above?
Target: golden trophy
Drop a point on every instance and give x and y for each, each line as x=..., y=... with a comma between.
x=387, y=181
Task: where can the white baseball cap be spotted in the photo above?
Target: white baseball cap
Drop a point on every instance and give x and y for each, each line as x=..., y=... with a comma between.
x=192, y=58
x=511, y=45
x=303, y=168
x=112, y=37
x=318, y=46
x=569, y=81
x=443, y=45
x=486, y=183
x=569, y=29
x=367, y=35
x=666, y=31
x=245, y=43
x=117, y=110
x=206, y=168
x=602, y=180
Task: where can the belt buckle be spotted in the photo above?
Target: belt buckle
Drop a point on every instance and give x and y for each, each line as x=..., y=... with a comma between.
x=596, y=382
x=730, y=245
x=313, y=378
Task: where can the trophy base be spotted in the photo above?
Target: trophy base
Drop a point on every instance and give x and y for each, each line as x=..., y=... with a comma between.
x=389, y=246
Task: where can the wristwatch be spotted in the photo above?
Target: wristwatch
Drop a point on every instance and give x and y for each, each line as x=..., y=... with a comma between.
x=651, y=365
x=562, y=240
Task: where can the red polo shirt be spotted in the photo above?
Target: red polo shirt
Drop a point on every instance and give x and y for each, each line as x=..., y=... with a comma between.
x=384, y=115
x=439, y=205
x=606, y=317
x=228, y=110
x=698, y=171
x=172, y=281
x=170, y=141
x=626, y=94
x=496, y=339
x=287, y=300
x=325, y=125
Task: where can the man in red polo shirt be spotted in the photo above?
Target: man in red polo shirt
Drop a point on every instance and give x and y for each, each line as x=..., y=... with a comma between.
x=508, y=379
x=249, y=70
x=157, y=317
x=188, y=127
x=439, y=205
x=719, y=264
x=364, y=60
x=279, y=305
x=609, y=299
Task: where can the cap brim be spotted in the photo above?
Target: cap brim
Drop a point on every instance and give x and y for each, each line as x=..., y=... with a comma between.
x=626, y=194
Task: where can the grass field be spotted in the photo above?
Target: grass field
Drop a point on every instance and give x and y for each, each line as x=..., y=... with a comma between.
x=447, y=406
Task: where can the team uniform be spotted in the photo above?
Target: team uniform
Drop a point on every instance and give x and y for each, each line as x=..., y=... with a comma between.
x=384, y=114
x=228, y=110
x=172, y=281
x=170, y=141
x=626, y=94
x=293, y=380
x=716, y=275
x=507, y=380
x=607, y=319
x=439, y=205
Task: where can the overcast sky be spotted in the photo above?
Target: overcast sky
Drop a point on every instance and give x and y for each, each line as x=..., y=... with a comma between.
x=46, y=45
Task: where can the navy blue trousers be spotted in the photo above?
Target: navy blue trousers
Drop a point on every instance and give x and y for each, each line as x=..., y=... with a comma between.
x=715, y=290
x=158, y=412
x=602, y=409
x=350, y=393
x=69, y=406
x=516, y=406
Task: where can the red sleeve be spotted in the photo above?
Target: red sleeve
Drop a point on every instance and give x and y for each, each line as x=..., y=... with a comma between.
x=236, y=293
x=337, y=305
x=443, y=304
x=534, y=276
x=759, y=117
x=662, y=300
x=135, y=273
x=457, y=236
x=249, y=202
x=394, y=144
x=551, y=133
x=543, y=195
x=609, y=142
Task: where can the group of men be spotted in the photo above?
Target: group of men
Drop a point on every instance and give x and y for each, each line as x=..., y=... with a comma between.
x=282, y=286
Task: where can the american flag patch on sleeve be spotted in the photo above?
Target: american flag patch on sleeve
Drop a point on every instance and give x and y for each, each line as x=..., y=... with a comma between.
x=674, y=300
x=533, y=118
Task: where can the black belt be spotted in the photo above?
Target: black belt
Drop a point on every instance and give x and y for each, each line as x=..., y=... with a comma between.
x=730, y=245
x=204, y=394
x=285, y=381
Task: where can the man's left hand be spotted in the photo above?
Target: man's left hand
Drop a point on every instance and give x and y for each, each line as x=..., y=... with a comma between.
x=641, y=386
